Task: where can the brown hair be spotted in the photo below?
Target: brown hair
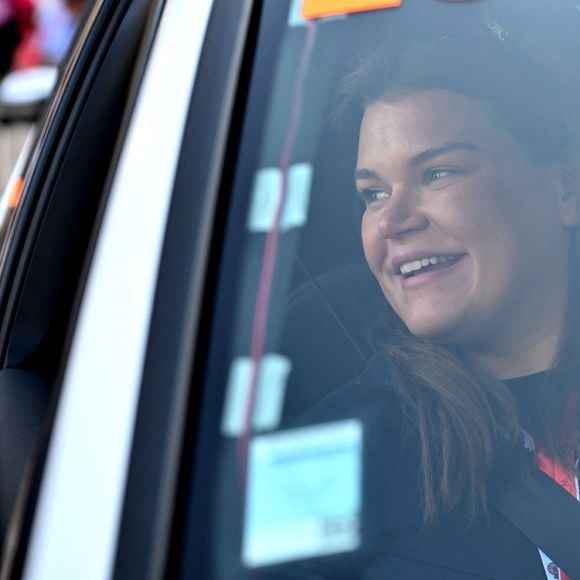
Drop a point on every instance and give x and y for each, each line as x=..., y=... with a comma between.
x=464, y=415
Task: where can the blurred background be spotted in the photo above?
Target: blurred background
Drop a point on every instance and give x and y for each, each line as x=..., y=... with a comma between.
x=35, y=36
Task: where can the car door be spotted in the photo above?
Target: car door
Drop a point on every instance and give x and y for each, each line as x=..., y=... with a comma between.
x=75, y=517
x=48, y=238
x=127, y=376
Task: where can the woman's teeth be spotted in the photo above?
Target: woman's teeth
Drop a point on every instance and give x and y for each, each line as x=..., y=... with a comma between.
x=414, y=266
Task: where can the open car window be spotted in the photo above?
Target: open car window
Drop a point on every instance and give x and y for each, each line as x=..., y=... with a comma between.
x=278, y=487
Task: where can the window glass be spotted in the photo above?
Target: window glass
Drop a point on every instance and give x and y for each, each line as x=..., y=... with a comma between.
x=394, y=337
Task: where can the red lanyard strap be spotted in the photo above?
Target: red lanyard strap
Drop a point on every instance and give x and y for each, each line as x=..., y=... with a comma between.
x=563, y=477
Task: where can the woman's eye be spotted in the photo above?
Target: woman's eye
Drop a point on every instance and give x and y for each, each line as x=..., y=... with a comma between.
x=373, y=194
x=439, y=173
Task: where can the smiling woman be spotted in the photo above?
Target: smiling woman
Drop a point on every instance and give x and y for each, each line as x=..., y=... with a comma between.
x=467, y=165
x=399, y=357
x=463, y=231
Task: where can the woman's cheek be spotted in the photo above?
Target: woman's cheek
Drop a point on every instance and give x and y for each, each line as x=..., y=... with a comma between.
x=373, y=244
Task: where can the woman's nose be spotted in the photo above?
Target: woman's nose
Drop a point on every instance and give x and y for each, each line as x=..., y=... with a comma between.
x=401, y=216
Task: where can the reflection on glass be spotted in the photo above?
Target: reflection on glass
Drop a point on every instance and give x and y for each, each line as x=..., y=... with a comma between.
x=439, y=315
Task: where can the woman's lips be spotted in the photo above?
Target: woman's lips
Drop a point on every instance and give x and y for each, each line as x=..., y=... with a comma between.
x=413, y=274
x=427, y=263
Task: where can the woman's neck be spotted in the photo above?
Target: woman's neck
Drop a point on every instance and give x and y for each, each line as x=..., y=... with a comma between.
x=524, y=358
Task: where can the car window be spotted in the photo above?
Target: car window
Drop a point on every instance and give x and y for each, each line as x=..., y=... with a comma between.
x=394, y=275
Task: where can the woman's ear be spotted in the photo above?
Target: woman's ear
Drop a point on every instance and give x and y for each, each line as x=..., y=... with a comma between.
x=569, y=196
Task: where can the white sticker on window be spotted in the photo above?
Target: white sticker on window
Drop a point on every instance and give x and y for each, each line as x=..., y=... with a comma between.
x=298, y=198
x=303, y=494
x=265, y=199
x=267, y=193
x=271, y=388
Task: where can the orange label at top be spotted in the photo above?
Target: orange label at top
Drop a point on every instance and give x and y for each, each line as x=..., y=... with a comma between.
x=320, y=8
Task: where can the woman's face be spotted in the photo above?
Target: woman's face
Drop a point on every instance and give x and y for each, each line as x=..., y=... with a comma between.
x=466, y=236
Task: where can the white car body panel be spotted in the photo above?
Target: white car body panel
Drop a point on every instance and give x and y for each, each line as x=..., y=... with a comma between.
x=76, y=524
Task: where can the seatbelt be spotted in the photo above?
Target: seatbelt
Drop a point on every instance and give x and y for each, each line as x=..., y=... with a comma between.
x=544, y=512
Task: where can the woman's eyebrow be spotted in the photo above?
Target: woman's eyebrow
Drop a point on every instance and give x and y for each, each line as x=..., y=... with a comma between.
x=422, y=157
x=436, y=151
x=364, y=174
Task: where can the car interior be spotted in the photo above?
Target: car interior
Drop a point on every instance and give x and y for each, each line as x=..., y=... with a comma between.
x=326, y=313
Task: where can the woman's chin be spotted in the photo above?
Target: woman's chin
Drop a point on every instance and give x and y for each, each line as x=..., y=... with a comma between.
x=441, y=331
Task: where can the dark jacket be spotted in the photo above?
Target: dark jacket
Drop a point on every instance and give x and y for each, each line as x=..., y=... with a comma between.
x=394, y=543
